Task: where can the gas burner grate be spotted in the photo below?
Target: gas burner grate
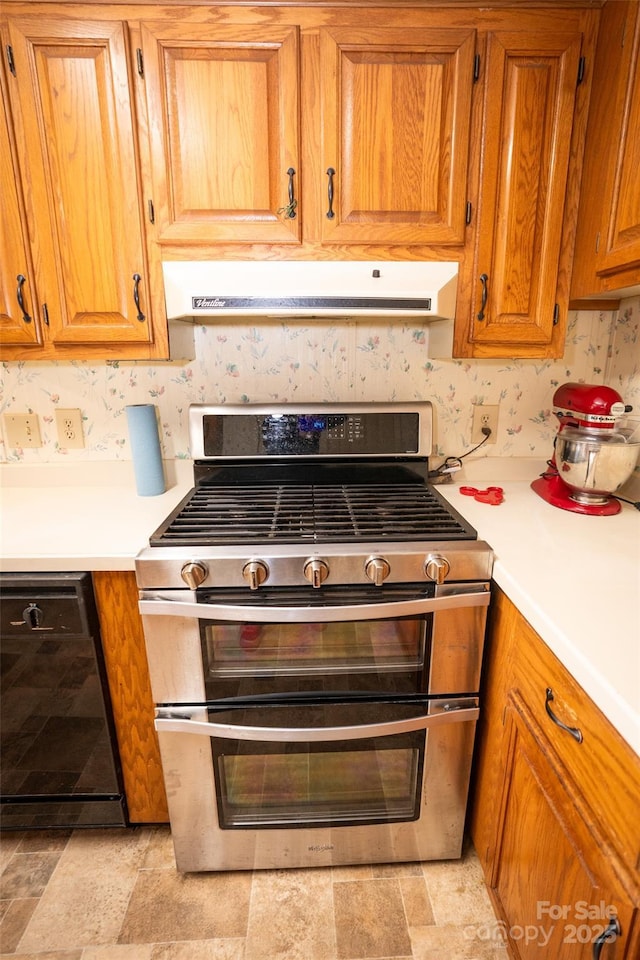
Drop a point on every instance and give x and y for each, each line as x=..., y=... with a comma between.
x=291, y=513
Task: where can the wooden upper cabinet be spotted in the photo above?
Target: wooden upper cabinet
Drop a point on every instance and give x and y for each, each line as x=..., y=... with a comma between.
x=608, y=239
x=531, y=82
x=76, y=139
x=224, y=125
x=18, y=320
x=396, y=108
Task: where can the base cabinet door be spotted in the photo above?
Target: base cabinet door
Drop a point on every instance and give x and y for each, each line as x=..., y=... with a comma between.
x=74, y=123
x=548, y=875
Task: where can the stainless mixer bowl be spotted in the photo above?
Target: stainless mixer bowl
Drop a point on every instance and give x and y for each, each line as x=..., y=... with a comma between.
x=594, y=467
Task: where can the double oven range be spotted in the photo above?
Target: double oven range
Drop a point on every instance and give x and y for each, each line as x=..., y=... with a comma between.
x=314, y=615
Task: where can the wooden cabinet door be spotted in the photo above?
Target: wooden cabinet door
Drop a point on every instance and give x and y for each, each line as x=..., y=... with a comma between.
x=547, y=873
x=224, y=121
x=19, y=324
x=76, y=136
x=528, y=117
x=396, y=107
x=619, y=242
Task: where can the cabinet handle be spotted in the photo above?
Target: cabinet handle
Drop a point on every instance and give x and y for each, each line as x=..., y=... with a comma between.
x=611, y=931
x=290, y=209
x=331, y=174
x=574, y=731
x=136, y=296
x=21, y=280
x=483, y=280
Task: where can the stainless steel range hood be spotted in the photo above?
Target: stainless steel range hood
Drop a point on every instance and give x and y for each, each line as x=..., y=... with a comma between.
x=201, y=291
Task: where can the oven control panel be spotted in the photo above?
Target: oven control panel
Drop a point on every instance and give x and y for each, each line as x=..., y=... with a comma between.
x=314, y=431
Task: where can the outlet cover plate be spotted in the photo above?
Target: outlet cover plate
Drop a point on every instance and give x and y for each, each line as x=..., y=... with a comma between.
x=69, y=427
x=22, y=430
x=484, y=415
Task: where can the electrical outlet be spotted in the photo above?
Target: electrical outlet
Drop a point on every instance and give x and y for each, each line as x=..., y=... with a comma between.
x=484, y=415
x=69, y=424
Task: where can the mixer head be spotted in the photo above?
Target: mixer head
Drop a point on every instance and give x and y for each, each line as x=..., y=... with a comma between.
x=588, y=406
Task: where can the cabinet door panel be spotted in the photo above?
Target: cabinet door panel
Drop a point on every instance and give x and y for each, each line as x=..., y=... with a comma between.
x=545, y=877
x=623, y=237
x=224, y=127
x=395, y=128
x=74, y=114
x=17, y=326
x=528, y=119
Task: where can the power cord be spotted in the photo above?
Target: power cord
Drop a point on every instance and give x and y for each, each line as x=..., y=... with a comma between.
x=452, y=464
x=634, y=503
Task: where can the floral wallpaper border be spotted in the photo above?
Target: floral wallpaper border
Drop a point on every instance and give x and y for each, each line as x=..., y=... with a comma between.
x=321, y=361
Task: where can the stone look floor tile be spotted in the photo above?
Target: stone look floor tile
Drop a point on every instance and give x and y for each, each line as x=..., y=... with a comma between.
x=46, y=955
x=417, y=906
x=166, y=905
x=14, y=922
x=27, y=874
x=102, y=867
x=453, y=943
x=457, y=891
x=199, y=950
x=116, y=951
x=381, y=926
x=291, y=916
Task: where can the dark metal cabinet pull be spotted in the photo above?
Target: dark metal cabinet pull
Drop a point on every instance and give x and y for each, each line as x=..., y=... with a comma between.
x=574, y=731
x=136, y=296
x=609, y=934
x=483, y=280
x=22, y=280
x=292, y=199
x=331, y=174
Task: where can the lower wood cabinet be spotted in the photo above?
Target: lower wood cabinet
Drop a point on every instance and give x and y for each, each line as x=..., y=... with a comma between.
x=554, y=817
x=126, y=661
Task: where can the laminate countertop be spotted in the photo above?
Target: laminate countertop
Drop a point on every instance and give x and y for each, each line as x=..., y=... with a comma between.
x=576, y=579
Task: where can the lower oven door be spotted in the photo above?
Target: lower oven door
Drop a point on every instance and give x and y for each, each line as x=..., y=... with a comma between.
x=311, y=781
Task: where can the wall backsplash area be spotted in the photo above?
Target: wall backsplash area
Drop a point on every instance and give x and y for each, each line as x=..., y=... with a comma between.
x=324, y=361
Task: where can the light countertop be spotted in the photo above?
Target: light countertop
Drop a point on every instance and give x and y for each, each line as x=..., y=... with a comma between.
x=576, y=579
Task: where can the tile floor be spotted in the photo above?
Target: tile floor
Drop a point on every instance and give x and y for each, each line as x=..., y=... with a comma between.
x=116, y=895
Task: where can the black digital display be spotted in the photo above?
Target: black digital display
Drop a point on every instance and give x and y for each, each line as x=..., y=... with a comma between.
x=310, y=434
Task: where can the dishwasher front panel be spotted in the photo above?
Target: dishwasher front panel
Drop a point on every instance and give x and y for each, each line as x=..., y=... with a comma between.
x=60, y=765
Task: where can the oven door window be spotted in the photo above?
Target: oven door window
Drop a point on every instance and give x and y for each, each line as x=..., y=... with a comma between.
x=301, y=784
x=372, y=654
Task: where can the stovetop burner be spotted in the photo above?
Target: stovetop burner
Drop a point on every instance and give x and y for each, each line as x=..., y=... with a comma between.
x=292, y=513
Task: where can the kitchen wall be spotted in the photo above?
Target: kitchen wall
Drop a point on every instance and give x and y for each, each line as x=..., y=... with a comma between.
x=317, y=361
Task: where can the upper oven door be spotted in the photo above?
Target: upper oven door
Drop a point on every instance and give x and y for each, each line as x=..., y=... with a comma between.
x=222, y=643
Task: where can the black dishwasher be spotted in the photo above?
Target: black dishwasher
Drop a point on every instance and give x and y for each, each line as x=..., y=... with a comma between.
x=60, y=765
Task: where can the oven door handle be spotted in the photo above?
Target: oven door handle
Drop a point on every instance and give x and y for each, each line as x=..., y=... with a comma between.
x=316, y=614
x=448, y=712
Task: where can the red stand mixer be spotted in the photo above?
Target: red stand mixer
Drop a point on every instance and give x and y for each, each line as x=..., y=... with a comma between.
x=592, y=456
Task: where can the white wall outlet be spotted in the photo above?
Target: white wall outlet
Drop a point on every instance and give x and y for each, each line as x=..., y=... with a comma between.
x=22, y=430
x=484, y=415
x=69, y=425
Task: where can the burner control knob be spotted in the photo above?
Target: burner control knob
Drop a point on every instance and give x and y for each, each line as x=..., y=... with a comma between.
x=255, y=572
x=193, y=574
x=316, y=572
x=437, y=568
x=377, y=569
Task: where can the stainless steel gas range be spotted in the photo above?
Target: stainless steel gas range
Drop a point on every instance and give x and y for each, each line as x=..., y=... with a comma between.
x=314, y=615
